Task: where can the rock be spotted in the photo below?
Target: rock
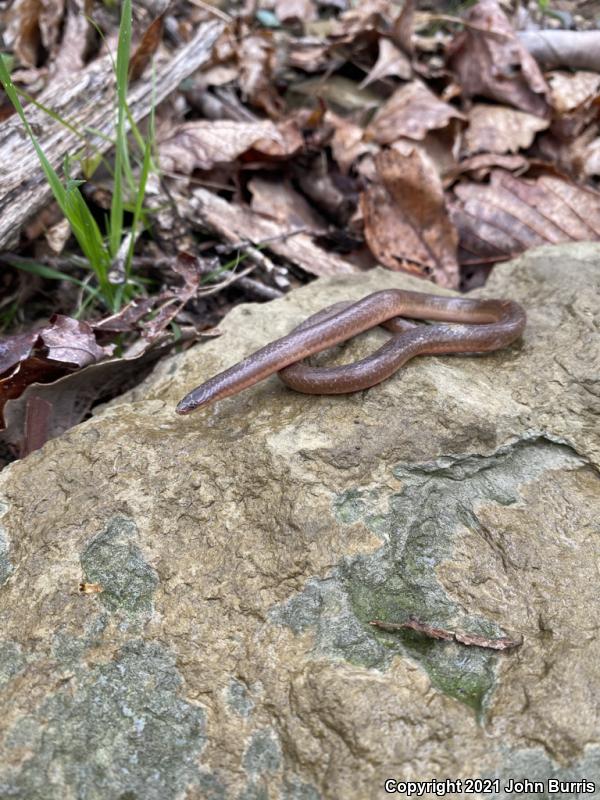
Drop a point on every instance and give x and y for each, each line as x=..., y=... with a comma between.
x=232, y=561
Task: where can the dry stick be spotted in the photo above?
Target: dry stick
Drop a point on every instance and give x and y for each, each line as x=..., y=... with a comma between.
x=467, y=24
x=217, y=12
x=252, y=253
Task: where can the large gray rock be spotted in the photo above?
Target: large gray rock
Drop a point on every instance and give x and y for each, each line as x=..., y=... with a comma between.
x=243, y=550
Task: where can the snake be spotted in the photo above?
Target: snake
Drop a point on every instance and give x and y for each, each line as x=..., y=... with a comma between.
x=479, y=326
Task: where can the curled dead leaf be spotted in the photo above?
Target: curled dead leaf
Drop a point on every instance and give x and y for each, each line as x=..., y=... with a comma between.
x=295, y=10
x=407, y=226
x=390, y=61
x=257, y=61
x=411, y=112
x=512, y=214
x=500, y=129
x=490, y=61
x=146, y=48
x=204, y=143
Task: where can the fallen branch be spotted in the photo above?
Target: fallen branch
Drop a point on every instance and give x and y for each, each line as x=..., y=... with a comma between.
x=235, y=223
x=85, y=101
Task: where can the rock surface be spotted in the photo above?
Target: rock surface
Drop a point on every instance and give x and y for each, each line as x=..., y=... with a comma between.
x=243, y=550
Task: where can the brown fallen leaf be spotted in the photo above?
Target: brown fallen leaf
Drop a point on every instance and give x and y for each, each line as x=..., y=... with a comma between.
x=202, y=144
x=14, y=349
x=127, y=318
x=60, y=347
x=364, y=18
x=573, y=90
x=333, y=194
x=37, y=423
x=512, y=214
x=311, y=55
x=499, y=129
x=277, y=199
x=70, y=342
x=257, y=58
x=348, y=144
x=287, y=142
x=579, y=158
x=295, y=10
x=341, y=93
x=33, y=27
x=69, y=397
x=482, y=164
x=390, y=62
x=407, y=226
x=146, y=48
x=575, y=101
x=69, y=54
x=403, y=29
x=489, y=60
x=411, y=112
x=470, y=639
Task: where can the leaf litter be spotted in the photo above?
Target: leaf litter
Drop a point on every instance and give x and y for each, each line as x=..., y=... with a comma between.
x=323, y=138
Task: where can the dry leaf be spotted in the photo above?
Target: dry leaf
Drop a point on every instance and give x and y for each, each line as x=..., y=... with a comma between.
x=412, y=111
x=42, y=356
x=484, y=163
x=287, y=142
x=295, y=10
x=70, y=342
x=366, y=16
x=390, y=61
x=204, y=143
x=575, y=100
x=348, y=143
x=34, y=26
x=573, y=90
x=256, y=58
x=90, y=588
x=406, y=222
x=311, y=56
x=489, y=61
x=37, y=425
x=146, y=48
x=72, y=395
x=404, y=27
x=277, y=199
x=512, y=214
x=500, y=129
x=70, y=54
x=335, y=195
x=339, y=92
x=58, y=235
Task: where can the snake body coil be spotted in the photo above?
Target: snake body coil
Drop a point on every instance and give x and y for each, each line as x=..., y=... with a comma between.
x=483, y=326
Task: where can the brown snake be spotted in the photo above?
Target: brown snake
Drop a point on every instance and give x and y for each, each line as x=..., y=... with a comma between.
x=484, y=325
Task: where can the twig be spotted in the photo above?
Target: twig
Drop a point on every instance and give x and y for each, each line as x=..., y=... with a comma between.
x=212, y=10
x=467, y=24
x=471, y=639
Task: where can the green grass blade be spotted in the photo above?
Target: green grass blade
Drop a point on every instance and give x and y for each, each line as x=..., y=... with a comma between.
x=43, y=271
x=121, y=159
x=139, y=201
